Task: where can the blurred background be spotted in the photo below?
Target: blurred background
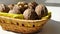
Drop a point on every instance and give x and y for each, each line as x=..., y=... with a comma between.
x=46, y=2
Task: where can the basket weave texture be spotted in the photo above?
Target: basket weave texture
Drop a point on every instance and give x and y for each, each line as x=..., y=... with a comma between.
x=23, y=26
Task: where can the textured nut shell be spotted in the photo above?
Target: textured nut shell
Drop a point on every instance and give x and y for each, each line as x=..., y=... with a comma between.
x=15, y=10
x=11, y=6
x=20, y=8
x=32, y=5
x=4, y=8
x=41, y=10
x=30, y=14
x=23, y=6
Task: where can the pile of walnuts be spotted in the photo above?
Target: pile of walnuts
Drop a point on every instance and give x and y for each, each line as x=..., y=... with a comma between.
x=30, y=11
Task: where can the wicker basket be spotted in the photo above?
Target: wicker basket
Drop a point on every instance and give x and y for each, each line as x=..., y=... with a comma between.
x=23, y=26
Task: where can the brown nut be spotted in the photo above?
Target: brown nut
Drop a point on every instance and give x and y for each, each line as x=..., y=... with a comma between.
x=41, y=10
x=30, y=14
x=4, y=8
x=11, y=6
x=15, y=10
x=21, y=8
x=32, y=5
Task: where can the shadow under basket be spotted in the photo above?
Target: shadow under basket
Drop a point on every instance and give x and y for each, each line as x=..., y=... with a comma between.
x=23, y=26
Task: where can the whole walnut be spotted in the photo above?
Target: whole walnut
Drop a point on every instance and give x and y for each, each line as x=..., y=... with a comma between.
x=41, y=10
x=11, y=6
x=15, y=10
x=4, y=8
x=23, y=6
x=32, y=5
x=30, y=14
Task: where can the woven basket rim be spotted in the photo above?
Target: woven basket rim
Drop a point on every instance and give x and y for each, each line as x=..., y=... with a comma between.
x=47, y=17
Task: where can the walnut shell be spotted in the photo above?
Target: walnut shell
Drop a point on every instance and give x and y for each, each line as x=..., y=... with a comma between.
x=21, y=8
x=41, y=10
x=4, y=8
x=11, y=6
x=15, y=10
x=30, y=14
x=32, y=5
